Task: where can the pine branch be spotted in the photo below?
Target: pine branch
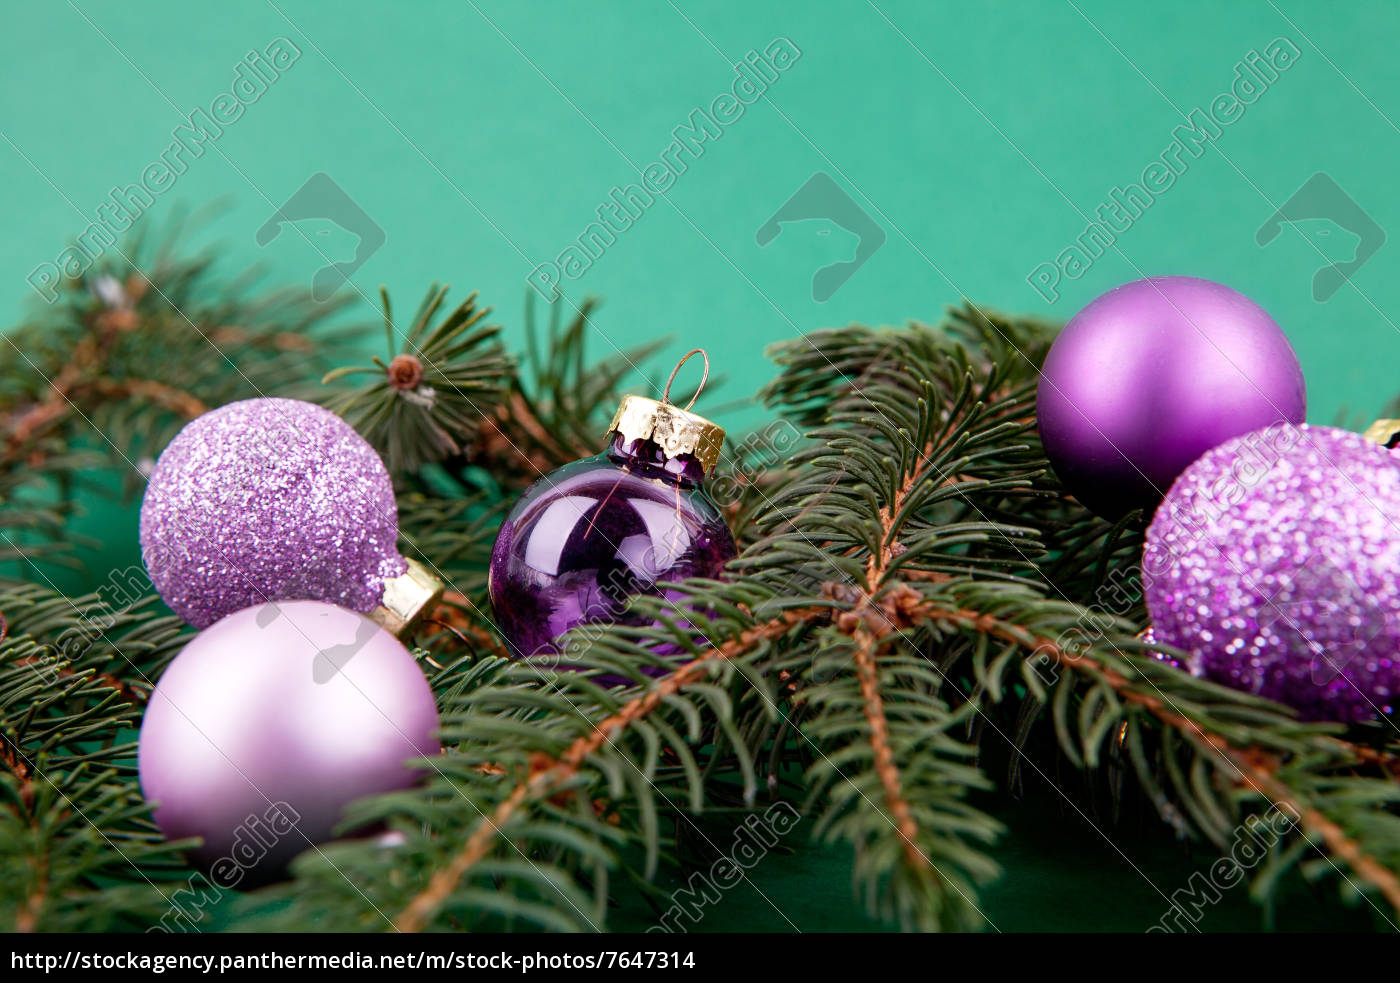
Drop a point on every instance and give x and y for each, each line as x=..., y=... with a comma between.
x=77, y=847
x=558, y=403
x=550, y=776
x=1252, y=765
x=914, y=586
x=131, y=353
x=429, y=400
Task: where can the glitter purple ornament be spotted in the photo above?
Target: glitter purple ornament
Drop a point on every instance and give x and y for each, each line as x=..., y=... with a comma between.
x=1152, y=375
x=585, y=538
x=1274, y=562
x=269, y=723
x=268, y=500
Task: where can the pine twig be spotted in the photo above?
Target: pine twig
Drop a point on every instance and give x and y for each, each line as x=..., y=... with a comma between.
x=548, y=777
x=1252, y=764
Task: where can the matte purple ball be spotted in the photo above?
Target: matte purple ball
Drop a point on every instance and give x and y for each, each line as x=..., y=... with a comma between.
x=1274, y=563
x=268, y=500
x=269, y=723
x=1149, y=377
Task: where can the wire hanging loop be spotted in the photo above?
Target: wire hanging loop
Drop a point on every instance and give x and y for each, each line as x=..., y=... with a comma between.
x=666, y=396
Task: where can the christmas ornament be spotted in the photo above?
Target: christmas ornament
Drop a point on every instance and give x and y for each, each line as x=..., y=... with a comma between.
x=585, y=538
x=1147, y=636
x=271, y=500
x=1152, y=375
x=1273, y=562
x=269, y=723
x=1386, y=433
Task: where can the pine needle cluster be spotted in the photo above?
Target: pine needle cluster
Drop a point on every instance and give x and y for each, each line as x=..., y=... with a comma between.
x=918, y=614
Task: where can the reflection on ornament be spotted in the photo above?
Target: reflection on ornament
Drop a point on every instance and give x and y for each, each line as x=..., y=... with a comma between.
x=1386, y=433
x=584, y=539
x=1150, y=376
x=1149, y=637
x=269, y=722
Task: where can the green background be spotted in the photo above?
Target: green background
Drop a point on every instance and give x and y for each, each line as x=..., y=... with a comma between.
x=483, y=135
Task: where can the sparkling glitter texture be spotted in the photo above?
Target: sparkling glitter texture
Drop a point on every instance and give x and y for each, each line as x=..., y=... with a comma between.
x=268, y=500
x=1275, y=562
x=1150, y=638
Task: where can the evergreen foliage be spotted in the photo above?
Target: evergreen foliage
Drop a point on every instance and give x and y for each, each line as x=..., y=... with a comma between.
x=918, y=613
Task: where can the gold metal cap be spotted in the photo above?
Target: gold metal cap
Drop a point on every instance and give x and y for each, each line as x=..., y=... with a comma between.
x=1383, y=432
x=675, y=430
x=406, y=598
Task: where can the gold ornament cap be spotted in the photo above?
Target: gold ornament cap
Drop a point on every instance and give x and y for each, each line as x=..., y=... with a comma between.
x=1383, y=432
x=406, y=598
x=676, y=431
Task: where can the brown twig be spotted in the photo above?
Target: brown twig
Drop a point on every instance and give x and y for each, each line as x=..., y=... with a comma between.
x=168, y=397
x=27, y=917
x=869, y=623
x=1384, y=760
x=14, y=761
x=451, y=614
x=105, y=678
x=27, y=913
x=885, y=767
x=231, y=336
x=1255, y=770
x=82, y=374
x=547, y=776
x=545, y=451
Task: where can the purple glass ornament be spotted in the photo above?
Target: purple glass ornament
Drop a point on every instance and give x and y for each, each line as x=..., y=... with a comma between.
x=1274, y=562
x=586, y=537
x=268, y=500
x=1152, y=375
x=269, y=723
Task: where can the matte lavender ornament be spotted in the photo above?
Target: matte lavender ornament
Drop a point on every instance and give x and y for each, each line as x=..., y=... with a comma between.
x=269, y=723
x=1149, y=377
x=1274, y=563
x=269, y=500
x=584, y=539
